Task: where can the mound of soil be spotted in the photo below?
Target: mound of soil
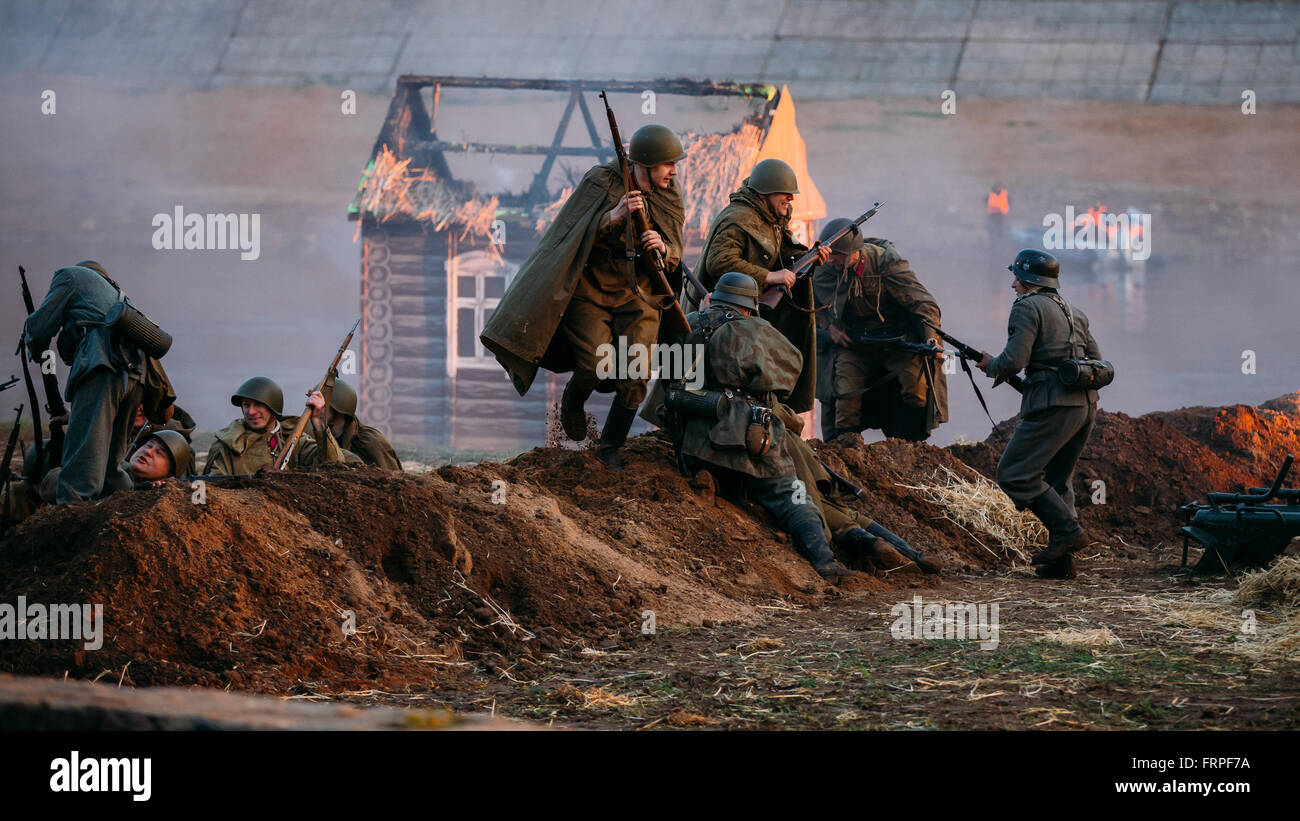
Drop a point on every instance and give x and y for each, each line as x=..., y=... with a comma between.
x=491, y=566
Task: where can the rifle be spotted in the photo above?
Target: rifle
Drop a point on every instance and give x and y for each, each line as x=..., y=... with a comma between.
x=676, y=316
x=53, y=399
x=1239, y=530
x=967, y=352
x=773, y=295
x=878, y=530
x=4, y=386
x=6, y=475
x=305, y=419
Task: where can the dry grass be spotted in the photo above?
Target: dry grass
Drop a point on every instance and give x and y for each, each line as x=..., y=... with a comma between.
x=391, y=190
x=1097, y=637
x=1279, y=583
x=977, y=505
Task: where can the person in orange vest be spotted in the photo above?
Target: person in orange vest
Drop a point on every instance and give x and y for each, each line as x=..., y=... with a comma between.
x=998, y=205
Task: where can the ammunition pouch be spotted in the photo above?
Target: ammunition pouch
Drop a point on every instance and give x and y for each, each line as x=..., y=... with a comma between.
x=136, y=328
x=1085, y=374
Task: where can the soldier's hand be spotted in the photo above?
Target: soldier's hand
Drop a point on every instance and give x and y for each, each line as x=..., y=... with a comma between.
x=317, y=404
x=61, y=419
x=984, y=363
x=629, y=203
x=839, y=337
x=934, y=342
x=823, y=253
x=651, y=241
x=784, y=277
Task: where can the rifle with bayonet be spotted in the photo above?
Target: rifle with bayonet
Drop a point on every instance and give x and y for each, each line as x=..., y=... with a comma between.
x=966, y=355
x=675, y=318
x=330, y=373
x=802, y=266
x=53, y=399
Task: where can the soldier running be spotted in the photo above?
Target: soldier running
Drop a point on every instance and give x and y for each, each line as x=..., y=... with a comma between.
x=573, y=294
x=1037, y=468
x=869, y=289
x=752, y=236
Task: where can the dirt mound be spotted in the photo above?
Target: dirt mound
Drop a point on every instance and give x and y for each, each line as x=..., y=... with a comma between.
x=1153, y=463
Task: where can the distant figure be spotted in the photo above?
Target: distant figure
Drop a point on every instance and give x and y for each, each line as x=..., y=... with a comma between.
x=998, y=205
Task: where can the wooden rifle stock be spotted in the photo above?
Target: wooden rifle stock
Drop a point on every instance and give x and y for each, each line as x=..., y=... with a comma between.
x=53, y=399
x=773, y=295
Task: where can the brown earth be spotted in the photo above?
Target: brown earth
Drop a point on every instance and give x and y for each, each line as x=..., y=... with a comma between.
x=501, y=568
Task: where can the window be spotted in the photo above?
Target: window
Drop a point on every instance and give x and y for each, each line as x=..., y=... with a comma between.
x=477, y=280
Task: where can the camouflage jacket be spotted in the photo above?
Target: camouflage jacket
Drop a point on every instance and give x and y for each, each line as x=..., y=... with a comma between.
x=1038, y=335
x=239, y=450
x=749, y=357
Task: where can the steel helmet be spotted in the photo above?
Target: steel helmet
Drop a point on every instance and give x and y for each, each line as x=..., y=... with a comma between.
x=1036, y=268
x=735, y=288
x=773, y=177
x=261, y=389
x=848, y=244
x=344, y=399
x=655, y=144
x=177, y=447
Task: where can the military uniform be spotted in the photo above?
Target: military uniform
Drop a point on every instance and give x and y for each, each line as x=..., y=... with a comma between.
x=181, y=422
x=749, y=238
x=363, y=444
x=1037, y=467
x=878, y=294
x=754, y=365
x=238, y=449
x=104, y=381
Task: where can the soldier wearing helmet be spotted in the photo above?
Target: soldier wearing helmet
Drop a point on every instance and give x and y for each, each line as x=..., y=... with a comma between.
x=868, y=289
x=752, y=236
x=573, y=295
x=360, y=443
x=1037, y=467
x=255, y=440
x=162, y=455
x=736, y=426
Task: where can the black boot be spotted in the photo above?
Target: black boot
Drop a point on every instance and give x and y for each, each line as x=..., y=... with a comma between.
x=617, y=424
x=573, y=414
x=810, y=541
x=1059, y=569
x=926, y=564
x=1064, y=534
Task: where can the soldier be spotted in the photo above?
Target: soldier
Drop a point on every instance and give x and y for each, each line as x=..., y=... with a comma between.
x=360, y=442
x=1037, y=468
x=254, y=441
x=104, y=381
x=750, y=368
x=867, y=287
x=572, y=295
x=752, y=236
x=177, y=419
x=164, y=454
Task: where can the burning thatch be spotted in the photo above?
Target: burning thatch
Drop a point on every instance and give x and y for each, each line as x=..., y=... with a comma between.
x=391, y=190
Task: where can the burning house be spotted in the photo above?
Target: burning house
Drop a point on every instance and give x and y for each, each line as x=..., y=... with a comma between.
x=435, y=259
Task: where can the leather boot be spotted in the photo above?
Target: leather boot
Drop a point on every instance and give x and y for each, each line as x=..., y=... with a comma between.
x=927, y=564
x=573, y=414
x=1064, y=534
x=810, y=541
x=1059, y=569
x=617, y=425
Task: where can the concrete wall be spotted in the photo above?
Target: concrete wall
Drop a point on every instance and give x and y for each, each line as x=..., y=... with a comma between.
x=1152, y=50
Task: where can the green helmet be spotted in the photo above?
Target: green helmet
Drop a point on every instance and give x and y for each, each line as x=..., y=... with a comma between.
x=344, y=399
x=654, y=144
x=773, y=177
x=1036, y=268
x=177, y=447
x=848, y=244
x=261, y=389
x=736, y=289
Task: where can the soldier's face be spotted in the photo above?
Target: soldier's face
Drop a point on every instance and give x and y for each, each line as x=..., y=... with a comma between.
x=1019, y=287
x=780, y=203
x=140, y=419
x=337, y=423
x=150, y=462
x=256, y=415
x=661, y=175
